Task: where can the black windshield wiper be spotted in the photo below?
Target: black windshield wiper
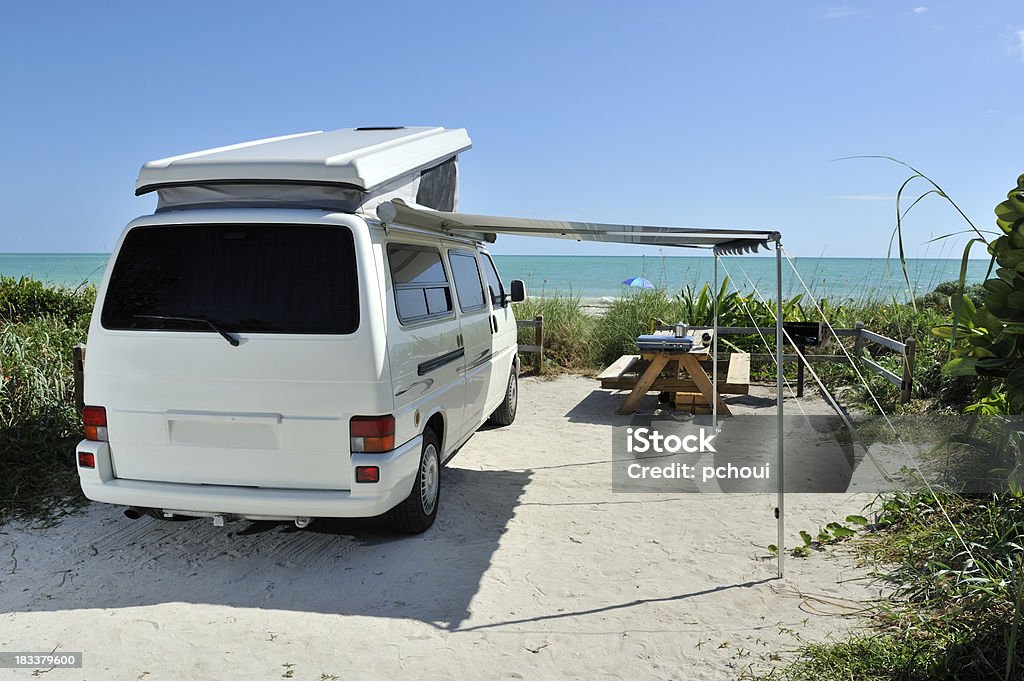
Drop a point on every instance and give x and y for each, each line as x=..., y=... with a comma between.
x=202, y=320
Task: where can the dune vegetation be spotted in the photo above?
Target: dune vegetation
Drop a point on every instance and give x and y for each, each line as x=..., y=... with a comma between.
x=39, y=425
x=576, y=340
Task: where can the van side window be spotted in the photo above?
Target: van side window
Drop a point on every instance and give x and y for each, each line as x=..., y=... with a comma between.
x=421, y=284
x=467, y=280
x=494, y=285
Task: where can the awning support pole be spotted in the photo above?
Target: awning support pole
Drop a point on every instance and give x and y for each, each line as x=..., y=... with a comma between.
x=714, y=353
x=779, y=470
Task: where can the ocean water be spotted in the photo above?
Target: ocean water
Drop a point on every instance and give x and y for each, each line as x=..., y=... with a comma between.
x=64, y=269
x=833, y=278
x=598, y=277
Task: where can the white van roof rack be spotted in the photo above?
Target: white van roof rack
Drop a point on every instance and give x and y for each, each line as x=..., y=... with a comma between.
x=487, y=227
x=351, y=170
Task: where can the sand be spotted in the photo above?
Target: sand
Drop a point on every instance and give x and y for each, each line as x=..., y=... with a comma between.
x=535, y=569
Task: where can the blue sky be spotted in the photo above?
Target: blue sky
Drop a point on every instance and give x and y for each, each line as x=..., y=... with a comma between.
x=674, y=113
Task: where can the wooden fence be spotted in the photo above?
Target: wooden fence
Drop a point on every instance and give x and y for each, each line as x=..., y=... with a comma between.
x=78, y=366
x=906, y=349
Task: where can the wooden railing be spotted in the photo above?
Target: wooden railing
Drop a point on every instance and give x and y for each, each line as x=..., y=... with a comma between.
x=906, y=349
x=537, y=323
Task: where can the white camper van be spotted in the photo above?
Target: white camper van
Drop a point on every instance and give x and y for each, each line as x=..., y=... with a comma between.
x=265, y=347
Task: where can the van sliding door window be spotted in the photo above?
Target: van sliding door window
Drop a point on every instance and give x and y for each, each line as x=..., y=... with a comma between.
x=296, y=279
x=494, y=285
x=420, y=281
x=468, y=286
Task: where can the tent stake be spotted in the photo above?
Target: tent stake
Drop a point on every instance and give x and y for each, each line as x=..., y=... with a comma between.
x=779, y=471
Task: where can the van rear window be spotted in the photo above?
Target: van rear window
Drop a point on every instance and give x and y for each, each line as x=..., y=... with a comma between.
x=244, y=278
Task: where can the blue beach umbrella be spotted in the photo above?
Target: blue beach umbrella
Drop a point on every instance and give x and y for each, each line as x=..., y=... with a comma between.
x=638, y=282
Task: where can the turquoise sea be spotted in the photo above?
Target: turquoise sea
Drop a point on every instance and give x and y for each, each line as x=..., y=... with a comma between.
x=597, y=277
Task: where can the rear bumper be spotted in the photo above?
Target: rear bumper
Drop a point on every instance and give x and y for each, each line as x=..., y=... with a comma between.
x=398, y=470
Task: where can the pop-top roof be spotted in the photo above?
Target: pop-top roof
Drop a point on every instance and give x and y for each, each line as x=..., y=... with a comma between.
x=363, y=158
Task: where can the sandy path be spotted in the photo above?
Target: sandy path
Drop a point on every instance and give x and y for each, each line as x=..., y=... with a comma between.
x=534, y=570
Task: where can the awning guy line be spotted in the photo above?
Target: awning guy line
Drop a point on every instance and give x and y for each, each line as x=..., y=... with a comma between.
x=888, y=421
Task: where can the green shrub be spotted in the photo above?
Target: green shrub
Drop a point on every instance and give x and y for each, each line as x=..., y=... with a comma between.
x=954, y=614
x=39, y=424
x=938, y=298
x=697, y=306
x=25, y=298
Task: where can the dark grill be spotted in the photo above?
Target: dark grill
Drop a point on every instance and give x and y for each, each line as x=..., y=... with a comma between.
x=804, y=333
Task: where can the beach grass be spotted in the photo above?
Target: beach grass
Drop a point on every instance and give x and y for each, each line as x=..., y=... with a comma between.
x=567, y=330
x=955, y=567
x=39, y=424
x=626, y=318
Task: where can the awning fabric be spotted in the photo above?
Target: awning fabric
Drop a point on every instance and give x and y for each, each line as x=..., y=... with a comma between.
x=487, y=227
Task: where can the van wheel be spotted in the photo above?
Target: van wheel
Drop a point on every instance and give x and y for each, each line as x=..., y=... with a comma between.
x=416, y=514
x=505, y=414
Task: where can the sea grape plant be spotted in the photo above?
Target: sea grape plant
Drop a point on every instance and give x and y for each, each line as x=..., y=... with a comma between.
x=992, y=332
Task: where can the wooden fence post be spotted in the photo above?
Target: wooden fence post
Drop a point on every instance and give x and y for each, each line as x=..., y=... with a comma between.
x=858, y=343
x=538, y=340
x=906, y=388
x=78, y=368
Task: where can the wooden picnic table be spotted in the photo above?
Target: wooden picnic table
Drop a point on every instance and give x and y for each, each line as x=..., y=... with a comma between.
x=735, y=379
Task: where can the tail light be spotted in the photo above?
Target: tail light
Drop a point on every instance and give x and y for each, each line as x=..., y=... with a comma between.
x=95, y=421
x=372, y=433
x=86, y=460
x=367, y=474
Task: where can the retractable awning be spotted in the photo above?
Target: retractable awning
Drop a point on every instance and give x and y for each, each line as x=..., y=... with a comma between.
x=487, y=227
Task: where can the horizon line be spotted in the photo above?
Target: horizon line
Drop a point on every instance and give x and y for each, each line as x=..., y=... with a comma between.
x=570, y=255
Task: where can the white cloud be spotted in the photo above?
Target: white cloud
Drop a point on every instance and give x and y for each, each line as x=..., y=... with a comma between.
x=842, y=12
x=865, y=197
x=920, y=10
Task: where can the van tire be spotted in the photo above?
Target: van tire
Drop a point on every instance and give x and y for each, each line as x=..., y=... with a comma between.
x=505, y=414
x=411, y=516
